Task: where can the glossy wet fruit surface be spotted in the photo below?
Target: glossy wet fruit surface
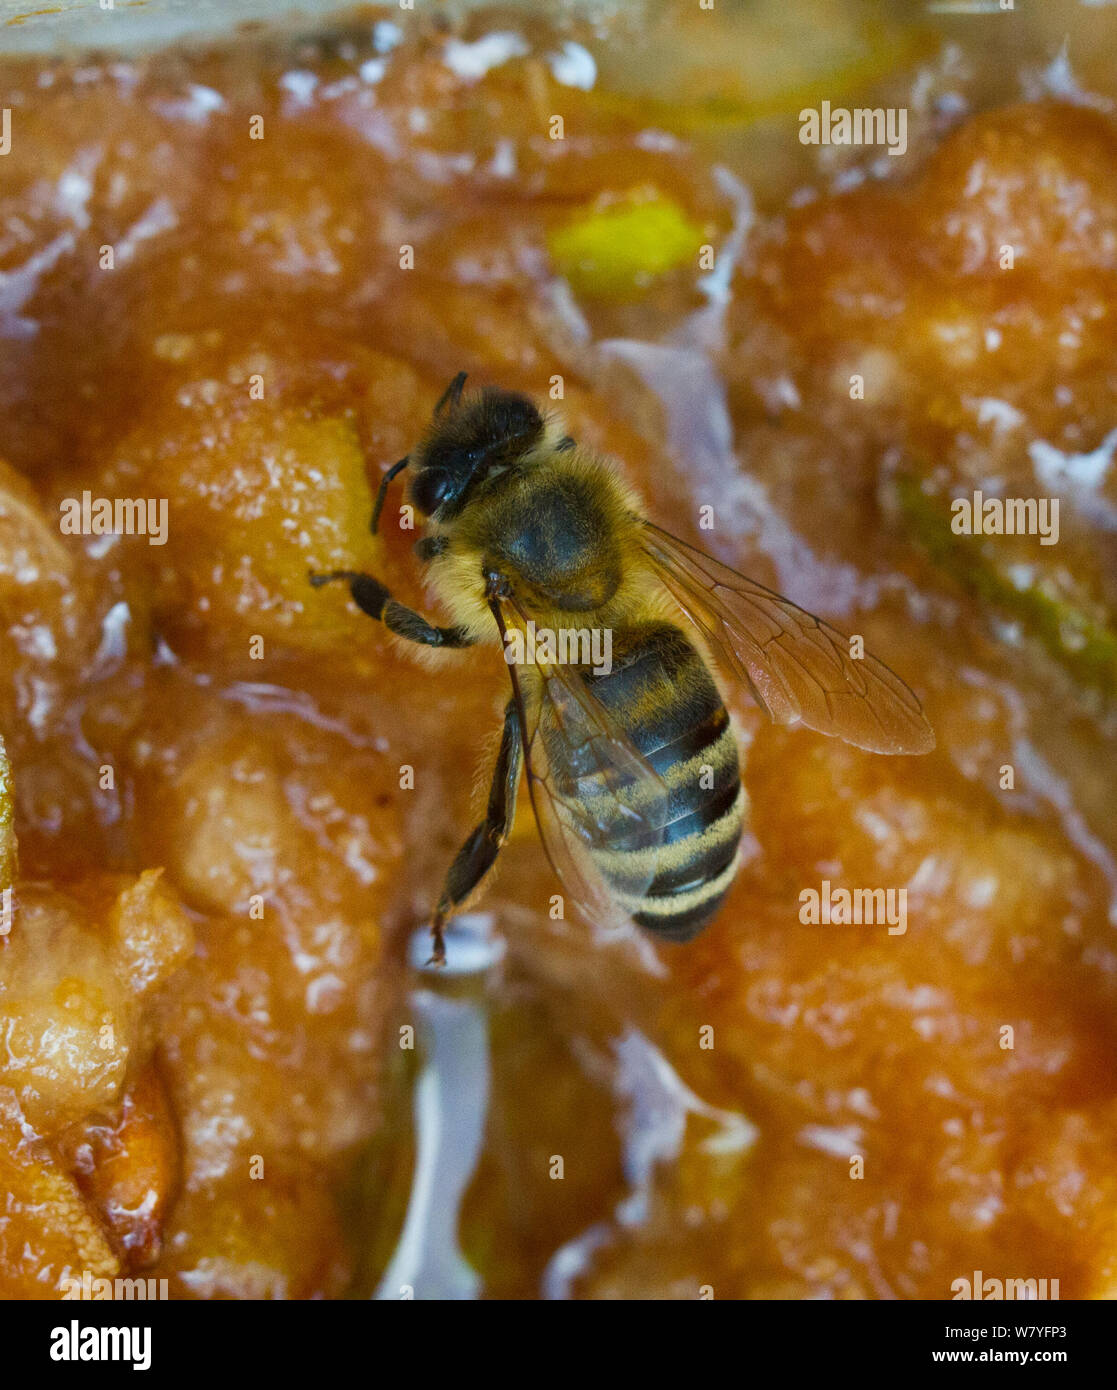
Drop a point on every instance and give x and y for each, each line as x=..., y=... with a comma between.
x=234, y=798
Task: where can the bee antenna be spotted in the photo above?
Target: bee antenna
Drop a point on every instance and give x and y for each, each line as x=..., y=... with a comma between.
x=452, y=395
x=385, y=483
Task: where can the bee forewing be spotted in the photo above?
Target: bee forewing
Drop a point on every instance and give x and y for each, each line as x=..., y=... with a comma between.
x=798, y=667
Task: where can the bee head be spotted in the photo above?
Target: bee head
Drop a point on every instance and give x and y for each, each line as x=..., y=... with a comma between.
x=471, y=441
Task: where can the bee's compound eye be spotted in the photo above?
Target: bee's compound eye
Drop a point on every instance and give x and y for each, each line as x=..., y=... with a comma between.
x=432, y=488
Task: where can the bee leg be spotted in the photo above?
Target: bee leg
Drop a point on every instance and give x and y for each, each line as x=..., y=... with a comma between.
x=373, y=598
x=477, y=856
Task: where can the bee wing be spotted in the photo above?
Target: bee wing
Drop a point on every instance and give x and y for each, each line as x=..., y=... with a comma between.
x=798, y=667
x=590, y=788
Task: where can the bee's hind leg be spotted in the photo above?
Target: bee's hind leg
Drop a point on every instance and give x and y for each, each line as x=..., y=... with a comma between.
x=477, y=856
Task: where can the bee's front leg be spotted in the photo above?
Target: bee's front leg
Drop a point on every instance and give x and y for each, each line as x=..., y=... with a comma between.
x=373, y=598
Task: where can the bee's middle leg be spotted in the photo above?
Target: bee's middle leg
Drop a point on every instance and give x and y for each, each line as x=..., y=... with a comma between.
x=477, y=856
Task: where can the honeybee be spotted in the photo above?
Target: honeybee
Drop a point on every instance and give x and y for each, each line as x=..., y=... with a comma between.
x=632, y=771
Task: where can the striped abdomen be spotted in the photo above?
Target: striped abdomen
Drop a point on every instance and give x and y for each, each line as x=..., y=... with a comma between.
x=661, y=693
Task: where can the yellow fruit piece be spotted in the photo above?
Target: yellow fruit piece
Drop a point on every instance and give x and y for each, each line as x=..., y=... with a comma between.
x=305, y=499
x=616, y=251
x=257, y=499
